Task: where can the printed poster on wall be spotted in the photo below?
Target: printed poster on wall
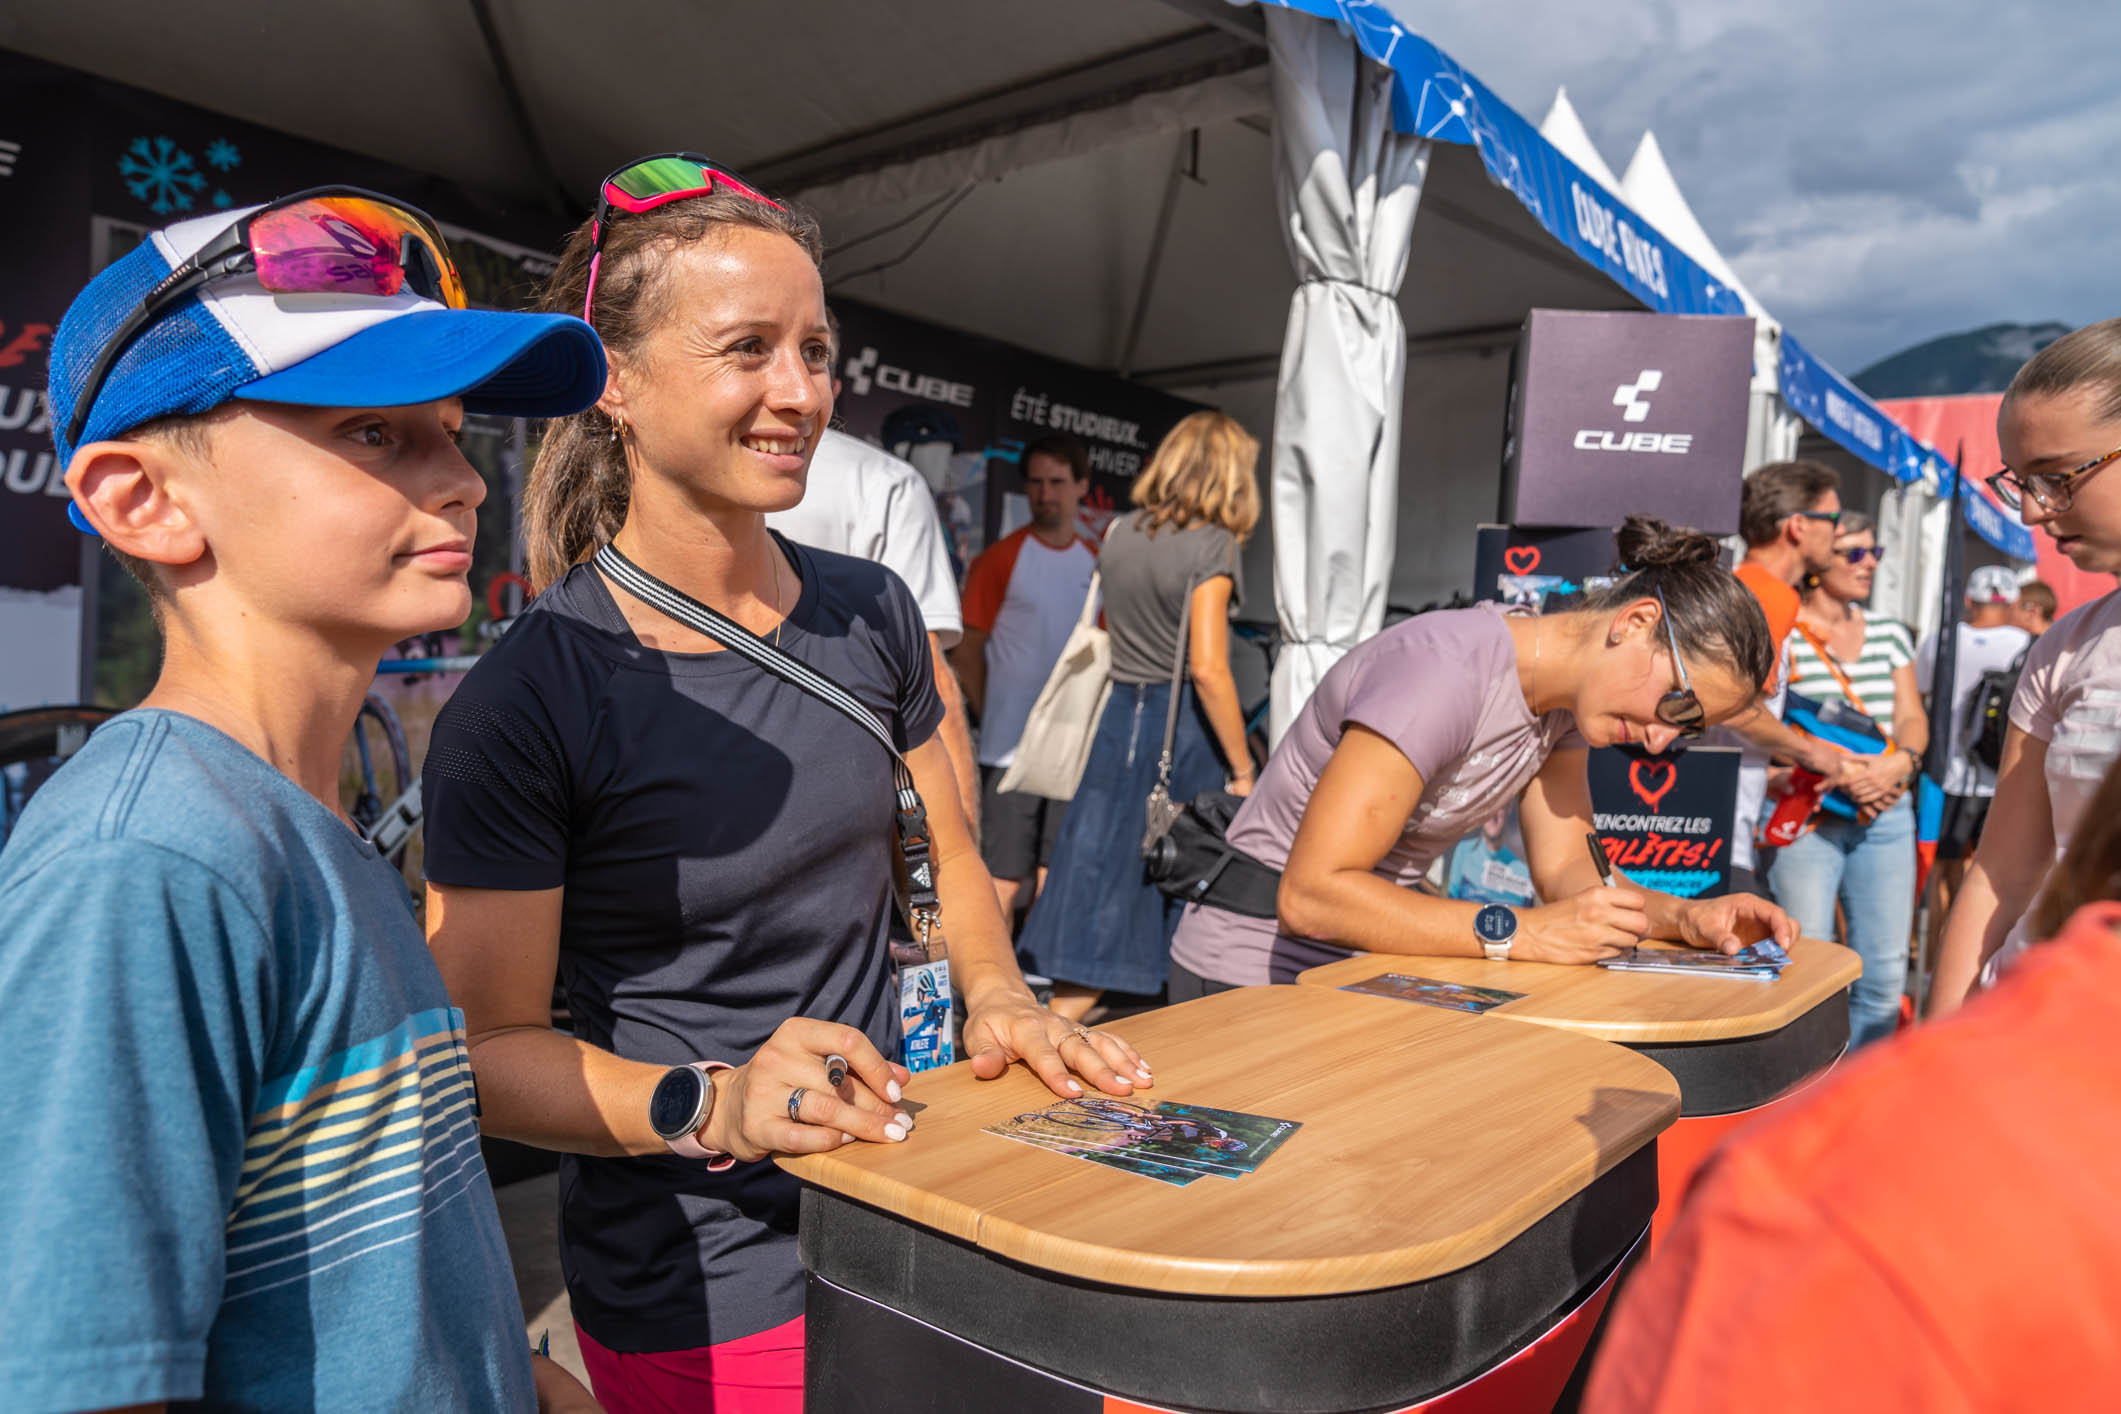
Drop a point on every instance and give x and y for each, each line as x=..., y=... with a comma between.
x=968, y=405
x=1667, y=819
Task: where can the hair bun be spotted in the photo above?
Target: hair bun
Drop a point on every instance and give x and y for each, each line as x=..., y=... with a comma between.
x=1647, y=543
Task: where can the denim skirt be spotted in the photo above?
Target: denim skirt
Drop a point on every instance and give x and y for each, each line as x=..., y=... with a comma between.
x=1100, y=922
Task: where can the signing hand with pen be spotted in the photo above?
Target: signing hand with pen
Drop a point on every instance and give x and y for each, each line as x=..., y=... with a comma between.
x=1600, y=922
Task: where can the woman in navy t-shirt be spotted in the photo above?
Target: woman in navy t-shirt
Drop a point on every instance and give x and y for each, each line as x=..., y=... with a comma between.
x=699, y=852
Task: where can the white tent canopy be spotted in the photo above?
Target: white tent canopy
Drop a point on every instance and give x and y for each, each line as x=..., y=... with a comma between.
x=1092, y=181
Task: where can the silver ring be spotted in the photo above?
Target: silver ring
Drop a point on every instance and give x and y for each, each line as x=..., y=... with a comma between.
x=1080, y=1033
x=795, y=1102
x=835, y=1071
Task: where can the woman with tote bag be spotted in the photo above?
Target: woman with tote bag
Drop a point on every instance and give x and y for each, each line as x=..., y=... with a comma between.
x=1170, y=577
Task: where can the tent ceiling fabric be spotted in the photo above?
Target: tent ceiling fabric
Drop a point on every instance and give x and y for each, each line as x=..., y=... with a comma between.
x=602, y=83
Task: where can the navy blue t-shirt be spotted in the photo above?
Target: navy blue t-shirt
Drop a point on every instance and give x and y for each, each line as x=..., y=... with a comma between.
x=725, y=844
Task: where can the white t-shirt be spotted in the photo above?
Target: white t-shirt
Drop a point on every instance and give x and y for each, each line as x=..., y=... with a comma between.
x=1980, y=650
x=862, y=501
x=1026, y=597
x=2070, y=697
x=1752, y=769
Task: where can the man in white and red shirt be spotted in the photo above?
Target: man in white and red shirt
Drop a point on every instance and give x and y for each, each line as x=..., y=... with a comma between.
x=1022, y=598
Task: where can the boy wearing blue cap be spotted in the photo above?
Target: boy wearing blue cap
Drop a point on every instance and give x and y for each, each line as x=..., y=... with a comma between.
x=248, y=1166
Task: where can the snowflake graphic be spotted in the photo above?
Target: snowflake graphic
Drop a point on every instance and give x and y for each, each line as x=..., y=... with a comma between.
x=221, y=154
x=161, y=174
x=222, y=200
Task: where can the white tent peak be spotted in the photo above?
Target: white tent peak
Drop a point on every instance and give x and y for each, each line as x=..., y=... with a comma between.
x=1653, y=191
x=1563, y=128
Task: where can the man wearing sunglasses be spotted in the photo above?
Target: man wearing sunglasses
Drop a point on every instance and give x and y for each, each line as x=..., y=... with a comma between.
x=251, y=1173
x=1787, y=516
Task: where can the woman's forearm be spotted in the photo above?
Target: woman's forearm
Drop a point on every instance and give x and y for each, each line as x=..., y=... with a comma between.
x=1981, y=918
x=551, y=1091
x=1217, y=690
x=1356, y=909
x=982, y=959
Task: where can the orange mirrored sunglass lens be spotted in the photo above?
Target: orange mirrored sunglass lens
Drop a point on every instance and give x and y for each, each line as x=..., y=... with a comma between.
x=351, y=245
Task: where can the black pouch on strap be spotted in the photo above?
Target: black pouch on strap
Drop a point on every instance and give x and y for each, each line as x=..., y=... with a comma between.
x=1195, y=863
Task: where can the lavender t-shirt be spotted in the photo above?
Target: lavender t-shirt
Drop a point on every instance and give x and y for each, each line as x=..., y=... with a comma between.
x=1442, y=688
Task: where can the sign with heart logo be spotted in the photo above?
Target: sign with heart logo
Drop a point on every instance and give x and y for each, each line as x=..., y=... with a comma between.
x=1521, y=559
x=1652, y=781
x=1667, y=820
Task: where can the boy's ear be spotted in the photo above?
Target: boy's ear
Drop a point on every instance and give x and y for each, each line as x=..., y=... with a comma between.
x=124, y=488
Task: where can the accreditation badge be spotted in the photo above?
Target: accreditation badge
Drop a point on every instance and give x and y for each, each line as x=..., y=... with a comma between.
x=924, y=1011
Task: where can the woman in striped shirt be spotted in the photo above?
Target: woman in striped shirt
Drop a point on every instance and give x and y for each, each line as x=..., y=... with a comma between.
x=1841, y=654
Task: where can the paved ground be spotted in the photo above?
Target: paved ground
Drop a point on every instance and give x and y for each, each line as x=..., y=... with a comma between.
x=529, y=1216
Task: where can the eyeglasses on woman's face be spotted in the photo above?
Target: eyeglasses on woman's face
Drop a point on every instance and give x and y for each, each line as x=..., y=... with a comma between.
x=1680, y=707
x=1857, y=554
x=2053, y=491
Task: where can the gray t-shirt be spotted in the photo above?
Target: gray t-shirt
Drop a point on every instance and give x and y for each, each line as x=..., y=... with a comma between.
x=1441, y=687
x=1147, y=577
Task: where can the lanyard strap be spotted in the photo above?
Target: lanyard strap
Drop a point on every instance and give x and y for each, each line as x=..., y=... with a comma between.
x=911, y=816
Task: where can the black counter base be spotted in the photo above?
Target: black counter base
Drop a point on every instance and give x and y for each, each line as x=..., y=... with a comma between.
x=1746, y=1072
x=905, y=1320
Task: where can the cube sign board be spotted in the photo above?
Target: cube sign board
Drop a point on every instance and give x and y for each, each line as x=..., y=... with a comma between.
x=1613, y=413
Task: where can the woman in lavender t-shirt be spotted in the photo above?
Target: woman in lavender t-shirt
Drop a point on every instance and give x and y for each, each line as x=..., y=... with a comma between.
x=1424, y=731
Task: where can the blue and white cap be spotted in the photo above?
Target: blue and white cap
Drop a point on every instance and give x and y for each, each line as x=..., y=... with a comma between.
x=235, y=339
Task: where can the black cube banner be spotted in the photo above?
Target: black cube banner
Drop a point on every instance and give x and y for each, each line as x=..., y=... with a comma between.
x=1667, y=820
x=906, y=379
x=1613, y=413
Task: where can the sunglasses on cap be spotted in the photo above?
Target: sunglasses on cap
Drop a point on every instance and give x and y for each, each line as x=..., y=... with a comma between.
x=1680, y=707
x=649, y=182
x=324, y=241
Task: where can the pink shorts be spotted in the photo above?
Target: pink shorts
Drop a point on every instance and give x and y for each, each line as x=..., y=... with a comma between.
x=759, y=1374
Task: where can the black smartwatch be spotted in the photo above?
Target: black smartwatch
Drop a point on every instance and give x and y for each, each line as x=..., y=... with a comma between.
x=682, y=1102
x=1496, y=927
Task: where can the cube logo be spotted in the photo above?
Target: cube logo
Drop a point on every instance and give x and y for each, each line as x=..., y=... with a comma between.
x=1629, y=395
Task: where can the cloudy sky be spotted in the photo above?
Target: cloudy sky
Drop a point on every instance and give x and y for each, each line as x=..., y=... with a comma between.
x=1877, y=173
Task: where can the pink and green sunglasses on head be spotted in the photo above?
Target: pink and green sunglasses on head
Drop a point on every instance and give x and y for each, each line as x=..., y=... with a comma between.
x=648, y=182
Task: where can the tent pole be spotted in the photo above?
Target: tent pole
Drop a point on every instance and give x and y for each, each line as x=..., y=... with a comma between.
x=1186, y=147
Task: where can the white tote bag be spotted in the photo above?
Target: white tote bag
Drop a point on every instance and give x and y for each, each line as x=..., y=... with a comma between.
x=1055, y=746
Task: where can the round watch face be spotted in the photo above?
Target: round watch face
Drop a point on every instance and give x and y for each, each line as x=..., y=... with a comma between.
x=1495, y=924
x=675, y=1105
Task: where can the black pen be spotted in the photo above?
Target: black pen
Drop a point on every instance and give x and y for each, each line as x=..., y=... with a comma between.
x=1600, y=858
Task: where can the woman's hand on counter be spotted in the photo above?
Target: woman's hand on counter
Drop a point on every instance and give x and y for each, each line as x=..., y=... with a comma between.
x=1732, y=922
x=1009, y=1025
x=751, y=1112
x=1599, y=922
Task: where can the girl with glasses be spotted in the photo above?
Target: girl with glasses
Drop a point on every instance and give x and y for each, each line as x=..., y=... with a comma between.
x=2060, y=431
x=1426, y=730
x=1842, y=654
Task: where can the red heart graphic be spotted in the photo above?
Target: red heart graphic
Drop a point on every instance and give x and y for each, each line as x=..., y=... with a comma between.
x=1522, y=559
x=1642, y=773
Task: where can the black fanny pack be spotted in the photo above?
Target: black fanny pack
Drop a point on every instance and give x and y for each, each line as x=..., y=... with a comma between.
x=1194, y=862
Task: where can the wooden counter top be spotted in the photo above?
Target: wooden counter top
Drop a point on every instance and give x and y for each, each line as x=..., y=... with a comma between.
x=1429, y=1139
x=1634, y=1008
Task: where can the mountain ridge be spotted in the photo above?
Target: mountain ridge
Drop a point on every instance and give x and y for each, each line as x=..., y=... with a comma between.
x=1973, y=361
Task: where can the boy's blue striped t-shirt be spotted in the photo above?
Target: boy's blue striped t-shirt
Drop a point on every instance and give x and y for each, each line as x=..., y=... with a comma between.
x=247, y=1152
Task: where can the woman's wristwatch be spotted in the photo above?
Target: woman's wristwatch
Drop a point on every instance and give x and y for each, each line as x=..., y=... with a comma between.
x=681, y=1105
